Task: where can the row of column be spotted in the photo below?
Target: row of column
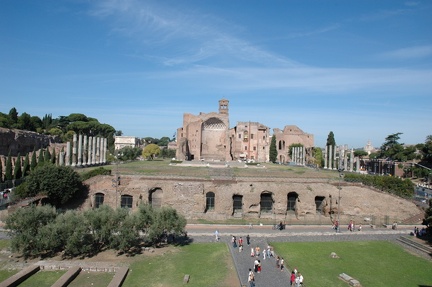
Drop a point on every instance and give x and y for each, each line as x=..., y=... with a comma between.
x=86, y=151
x=337, y=158
x=298, y=155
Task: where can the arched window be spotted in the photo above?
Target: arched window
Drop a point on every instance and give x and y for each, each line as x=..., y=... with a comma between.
x=210, y=201
x=237, y=203
x=155, y=197
x=291, y=201
x=126, y=201
x=99, y=199
x=320, y=203
x=266, y=202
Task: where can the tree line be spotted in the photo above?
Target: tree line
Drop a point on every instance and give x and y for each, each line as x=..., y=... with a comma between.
x=42, y=231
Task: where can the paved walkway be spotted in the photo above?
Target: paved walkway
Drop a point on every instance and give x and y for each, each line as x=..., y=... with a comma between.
x=263, y=235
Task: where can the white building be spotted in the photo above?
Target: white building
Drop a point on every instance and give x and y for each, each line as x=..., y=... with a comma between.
x=124, y=141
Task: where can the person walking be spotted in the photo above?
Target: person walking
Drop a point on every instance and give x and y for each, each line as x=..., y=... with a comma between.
x=292, y=279
x=281, y=264
x=248, y=240
x=240, y=244
x=251, y=278
x=217, y=235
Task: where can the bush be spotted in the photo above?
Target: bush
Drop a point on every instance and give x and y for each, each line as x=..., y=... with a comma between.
x=95, y=172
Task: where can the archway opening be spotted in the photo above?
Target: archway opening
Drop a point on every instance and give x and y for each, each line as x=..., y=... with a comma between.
x=155, y=197
x=210, y=201
x=320, y=204
x=266, y=202
x=237, y=204
x=99, y=199
x=292, y=201
x=126, y=201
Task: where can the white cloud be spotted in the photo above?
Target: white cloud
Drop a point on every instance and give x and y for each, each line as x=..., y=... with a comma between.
x=417, y=52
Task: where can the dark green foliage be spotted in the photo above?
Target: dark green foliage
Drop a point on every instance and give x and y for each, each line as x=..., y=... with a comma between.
x=95, y=172
x=426, y=150
x=168, y=153
x=53, y=156
x=41, y=157
x=273, y=150
x=24, y=225
x=8, y=170
x=13, y=117
x=290, y=148
x=26, y=166
x=40, y=231
x=331, y=139
x=397, y=186
x=59, y=183
x=47, y=156
x=129, y=153
x=18, y=170
x=33, y=162
x=360, y=153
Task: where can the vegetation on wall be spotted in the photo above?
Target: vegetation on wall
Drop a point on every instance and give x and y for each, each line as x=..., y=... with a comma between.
x=394, y=185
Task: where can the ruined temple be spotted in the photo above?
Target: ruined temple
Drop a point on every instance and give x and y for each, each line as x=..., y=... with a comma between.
x=208, y=137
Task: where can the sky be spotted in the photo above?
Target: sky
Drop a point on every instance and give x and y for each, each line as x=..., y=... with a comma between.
x=361, y=69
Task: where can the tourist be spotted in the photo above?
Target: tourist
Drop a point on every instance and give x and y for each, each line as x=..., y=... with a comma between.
x=234, y=241
x=256, y=265
x=281, y=263
x=277, y=262
x=251, y=278
x=300, y=279
x=257, y=251
x=259, y=266
x=252, y=252
x=268, y=251
x=217, y=235
x=240, y=244
x=292, y=279
x=248, y=240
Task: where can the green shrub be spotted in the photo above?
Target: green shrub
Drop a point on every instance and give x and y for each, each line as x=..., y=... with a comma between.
x=95, y=172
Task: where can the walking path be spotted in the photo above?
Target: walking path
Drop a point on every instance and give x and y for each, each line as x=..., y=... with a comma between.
x=263, y=235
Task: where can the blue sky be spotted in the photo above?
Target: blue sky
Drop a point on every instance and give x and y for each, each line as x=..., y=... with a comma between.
x=362, y=69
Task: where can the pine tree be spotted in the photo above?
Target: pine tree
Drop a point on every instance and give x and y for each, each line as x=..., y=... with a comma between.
x=8, y=171
x=47, y=156
x=331, y=142
x=18, y=170
x=53, y=156
x=40, y=157
x=273, y=150
x=33, y=163
x=26, y=166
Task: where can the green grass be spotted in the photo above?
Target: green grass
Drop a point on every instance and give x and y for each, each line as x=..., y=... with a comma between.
x=373, y=263
x=43, y=278
x=92, y=279
x=208, y=264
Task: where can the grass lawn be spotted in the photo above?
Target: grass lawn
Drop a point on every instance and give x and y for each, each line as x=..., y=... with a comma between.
x=92, y=279
x=43, y=278
x=373, y=263
x=208, y=264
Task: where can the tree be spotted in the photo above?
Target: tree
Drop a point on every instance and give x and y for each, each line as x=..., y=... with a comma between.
x=33, y=162
x=330, y=142
x=150, y=151
x=26, y=166
x=360, y=153
x=41, y=157
x=166, y=221
x=118, y=133
x=18, y=170
x=318, y=156
x=23, y=227
x=13, y=117
x=273, y=150
x=391, y=148
x=8, y=170
x=25, y=122
x=129, y=153
x=427, y=151
x=53, y=156
x=47, y=156
x=59, y=183
x=163, y=141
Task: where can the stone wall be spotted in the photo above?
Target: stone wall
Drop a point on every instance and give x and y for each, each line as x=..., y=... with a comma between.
x=19, y=141
x=188, y=196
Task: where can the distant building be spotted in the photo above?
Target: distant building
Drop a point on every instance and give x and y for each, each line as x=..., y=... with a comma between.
x=207, y=136
x=125, y=141
x=369, y=148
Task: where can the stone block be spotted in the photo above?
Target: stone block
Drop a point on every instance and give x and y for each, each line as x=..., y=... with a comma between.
x=186, y=278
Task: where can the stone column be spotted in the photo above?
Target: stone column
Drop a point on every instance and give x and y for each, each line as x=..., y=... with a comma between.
x=357, y=164
x=325, y=157
x=61, y=158
x=330, y=156
x=352, y=160
x=74, y=150
x=85, y=151
x=68, y=149
x=89, y=151
x=334, y=157
x=345, y=159
x=94, y=151
x=80, y=138
x=304, y=155
x=97, y=150
x=104, y=150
